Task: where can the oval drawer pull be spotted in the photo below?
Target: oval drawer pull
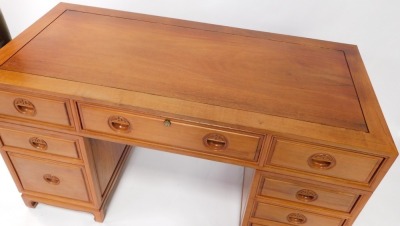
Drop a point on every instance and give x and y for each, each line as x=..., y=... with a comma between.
x=296, y=218
x=215, y=141
x=24, y=106
x=51, y=179
x=321, y=161
x=306, y=195
x=119, y=124
x=38, y=143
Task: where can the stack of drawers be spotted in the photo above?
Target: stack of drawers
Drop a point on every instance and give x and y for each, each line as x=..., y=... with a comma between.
x=312, y=197
x=52, y=167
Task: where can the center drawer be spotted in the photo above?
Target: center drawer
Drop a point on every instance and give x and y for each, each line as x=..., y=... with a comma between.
x=174, y=133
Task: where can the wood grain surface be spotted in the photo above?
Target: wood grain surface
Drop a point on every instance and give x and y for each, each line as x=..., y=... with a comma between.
x=278, y=78
x=300, y=113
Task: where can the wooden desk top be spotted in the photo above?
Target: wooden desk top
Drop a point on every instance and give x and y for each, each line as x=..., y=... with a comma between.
x=280, y=84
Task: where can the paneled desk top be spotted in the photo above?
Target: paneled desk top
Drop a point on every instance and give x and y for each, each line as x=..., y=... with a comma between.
x=265, y=81
x=307, y=82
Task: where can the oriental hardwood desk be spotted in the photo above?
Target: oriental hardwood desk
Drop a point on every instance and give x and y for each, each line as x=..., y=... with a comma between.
x=82, y=84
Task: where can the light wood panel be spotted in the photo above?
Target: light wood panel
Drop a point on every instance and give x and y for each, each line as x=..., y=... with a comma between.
x=327, y=161
x=51, y=178
x=308, y=194
x=180, y=134
x=293, y=216
x=106, y=156
x=248, y=177
x=39, y=142
x=19, y=106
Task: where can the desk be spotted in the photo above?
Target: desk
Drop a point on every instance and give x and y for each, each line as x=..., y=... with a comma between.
x=298, y=113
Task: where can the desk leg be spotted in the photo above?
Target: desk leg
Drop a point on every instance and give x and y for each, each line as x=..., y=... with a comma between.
x=28, y=202
x=99, y=215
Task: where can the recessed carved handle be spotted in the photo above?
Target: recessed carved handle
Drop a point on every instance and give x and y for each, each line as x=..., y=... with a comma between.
x=306, y=195
x=215, y=141
x=51, y=179
x=296, y=218
x=321, y=161
x=38, y=143
x=119, y=124
x=24, y=106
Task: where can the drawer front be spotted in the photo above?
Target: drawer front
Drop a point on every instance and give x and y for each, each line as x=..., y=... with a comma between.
x=49, y=177
x=174, y=133
x=35, y=109
x=39, y=142
x=323, y=160
x=308, y=194
x=293, y=216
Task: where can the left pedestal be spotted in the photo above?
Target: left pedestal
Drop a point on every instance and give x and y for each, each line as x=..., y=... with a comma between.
x=62, y=170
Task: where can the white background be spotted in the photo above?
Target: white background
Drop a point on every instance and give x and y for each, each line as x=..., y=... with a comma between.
x=371, y=24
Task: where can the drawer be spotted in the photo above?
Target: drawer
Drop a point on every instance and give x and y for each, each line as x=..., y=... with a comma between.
x=33, y=109
x=40, y=142
x=323, y=160
x=307, y=194
x=293, y=216
x=50, y=177
x=173, y=133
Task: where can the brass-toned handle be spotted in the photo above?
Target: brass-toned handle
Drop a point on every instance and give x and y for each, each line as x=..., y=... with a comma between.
x=321, y=161
x=167, y=123
x=119, y=124
x=215, y=141
x=306, y=195
x=296, y=218
x=24, y=106
x=38, y=143
x=51, y=179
